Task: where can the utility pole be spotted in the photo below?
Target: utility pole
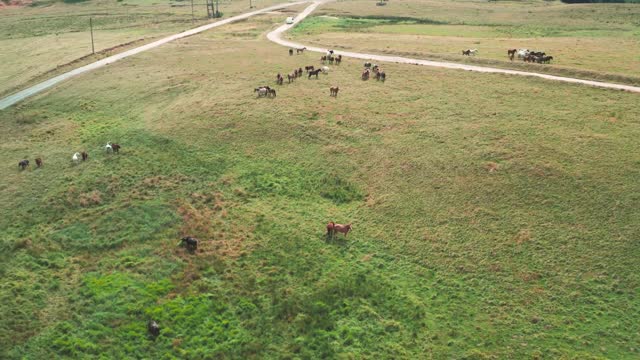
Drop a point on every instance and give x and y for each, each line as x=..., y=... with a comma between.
x=250, y=5
x=93, y=50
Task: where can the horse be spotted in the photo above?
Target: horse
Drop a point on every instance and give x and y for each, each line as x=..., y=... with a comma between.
x=333, y=91
x=300, y=50
x=279, y=79
x=381, y=76
x=338, y=59
x=314, y=72
x=153, y=328
x=84, y=155
x=271, y=92
x=190, y=243
x=300, y=72
x=108, y=147
x=290, y=52
x=522, y=53
x=39, y=162
x=262, y=91
x=470, y=52
x=511, y=53
x=290, y=78
x=365, y=74
x=323, y=58
x=309, y=68
x=332, y=228
x=546, y=59
x=23, y=164
x=116, y=148
x=367, y=65
x=325, y=69
x=331, y=59
x=76, y=158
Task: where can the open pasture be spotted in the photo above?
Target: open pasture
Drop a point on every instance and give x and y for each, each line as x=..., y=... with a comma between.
x=593, y=41
x=493, y=216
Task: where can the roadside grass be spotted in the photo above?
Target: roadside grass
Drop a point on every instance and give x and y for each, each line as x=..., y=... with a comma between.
x=45, y=39
x=493, y=217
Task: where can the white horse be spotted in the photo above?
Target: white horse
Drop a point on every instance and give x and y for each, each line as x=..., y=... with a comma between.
x=473, y=52
x=76, y=158
x=262, y=91
x=108, y=147
x=325, y=69
x=522, y=53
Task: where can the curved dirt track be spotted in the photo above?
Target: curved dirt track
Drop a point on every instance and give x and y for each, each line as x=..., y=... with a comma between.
x=276, y=36
x=21, y=95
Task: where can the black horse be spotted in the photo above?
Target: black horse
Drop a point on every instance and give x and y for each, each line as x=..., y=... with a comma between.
x=314, y=72
x=23, y=164
x=154, y=328
x=190, y=243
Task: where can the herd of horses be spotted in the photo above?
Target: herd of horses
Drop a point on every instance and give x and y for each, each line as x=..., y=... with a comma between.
x=75, y=159
x=379, y=74
x=526, y=55
x=531, y=56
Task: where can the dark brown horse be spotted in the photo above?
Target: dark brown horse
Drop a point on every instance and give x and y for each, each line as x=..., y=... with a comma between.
x=511, y=53
x=279, y=79
x=365, y=74
x=309, y=68
x=381, y=76
x=39, y=162
x=333, y=91
x=300, y=50
x=338, y=59
x=314, y=72
x=116, y=148
x=85, y=156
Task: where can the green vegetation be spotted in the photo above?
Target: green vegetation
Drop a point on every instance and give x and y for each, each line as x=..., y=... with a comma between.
x=494, y=216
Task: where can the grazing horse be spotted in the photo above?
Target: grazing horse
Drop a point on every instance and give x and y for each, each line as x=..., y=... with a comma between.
x=332, y=228
x=365, y=74
x=76, y=158
x=290, y=52
x=84, y=155
x=39, y=162
x=262, y=91
x=338, y=59
x=511, y=53
x=116, y=148
x=309, y=68
x=190, y=243
x=333, y=91
x=153, y=328
x=300, y=50
x=381, y=76
x=314, y=72
x=23, y=164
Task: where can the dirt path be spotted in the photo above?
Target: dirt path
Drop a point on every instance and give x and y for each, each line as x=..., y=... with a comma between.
x=276, y=36
x=21, y=95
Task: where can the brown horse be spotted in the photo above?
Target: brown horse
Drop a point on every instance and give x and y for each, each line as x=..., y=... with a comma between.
x=300, y=50
x=338, y=59
x=334, y=91
x=309, y=68
x=365, y=74
x=291, y=77
x=323, y=58
x=279, y=79
x=332, y=228
x=85, y=156
x=271, y=92
x=290, y=52
x=116, y=148
x=39, y=162
x=314, y=72
x=381, y=76
x=511, y=53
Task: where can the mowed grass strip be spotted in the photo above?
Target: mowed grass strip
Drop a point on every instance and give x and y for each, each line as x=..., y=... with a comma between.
x=492, y=217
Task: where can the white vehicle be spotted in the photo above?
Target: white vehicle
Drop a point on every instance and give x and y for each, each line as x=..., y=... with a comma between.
x=289, y=20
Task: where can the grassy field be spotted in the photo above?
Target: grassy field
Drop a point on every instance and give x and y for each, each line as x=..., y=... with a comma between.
x=43, y=39
x=589, y=41
x=493, y=218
